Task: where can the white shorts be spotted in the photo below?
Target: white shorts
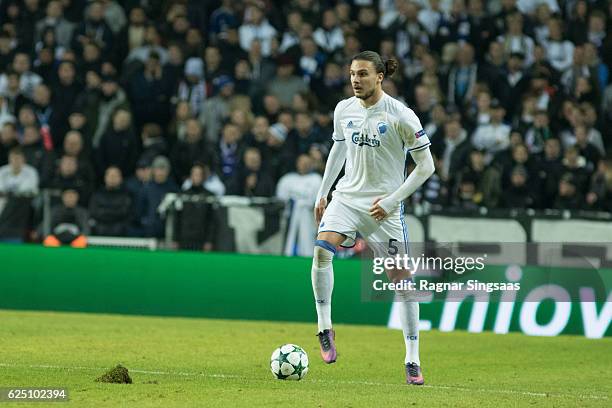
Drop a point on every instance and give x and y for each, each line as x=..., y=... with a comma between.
x=343, y=219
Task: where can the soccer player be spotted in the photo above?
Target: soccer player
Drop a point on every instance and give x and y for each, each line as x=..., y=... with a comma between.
x=372, y=134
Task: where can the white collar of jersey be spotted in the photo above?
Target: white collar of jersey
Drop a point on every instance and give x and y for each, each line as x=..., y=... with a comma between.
x=376, y=105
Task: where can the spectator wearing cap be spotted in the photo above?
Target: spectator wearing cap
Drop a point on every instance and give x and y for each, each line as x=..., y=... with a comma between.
x=217, y=108
x=119, y=145
x=193, y=87
x=154, y=192
x=150, y=92
x=256, y=26
x=110, y=208
x=494, y=136
x=286, y=83
x=142, y=175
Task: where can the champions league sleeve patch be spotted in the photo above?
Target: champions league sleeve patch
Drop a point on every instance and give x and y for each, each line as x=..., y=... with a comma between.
x=420, y=133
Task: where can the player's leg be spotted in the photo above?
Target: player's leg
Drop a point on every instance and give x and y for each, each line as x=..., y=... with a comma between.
x=322, y=275
x=392, y=235
x=334, y=230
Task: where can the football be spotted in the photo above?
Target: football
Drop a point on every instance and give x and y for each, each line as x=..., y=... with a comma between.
x=289, y=362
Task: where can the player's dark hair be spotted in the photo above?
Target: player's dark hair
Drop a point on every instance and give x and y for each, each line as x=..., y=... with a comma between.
x=387, y=67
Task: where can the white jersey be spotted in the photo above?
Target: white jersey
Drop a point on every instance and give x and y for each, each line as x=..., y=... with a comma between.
x=377, y=140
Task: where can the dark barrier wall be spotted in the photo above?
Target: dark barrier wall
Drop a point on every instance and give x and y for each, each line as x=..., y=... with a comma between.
x=175, y=284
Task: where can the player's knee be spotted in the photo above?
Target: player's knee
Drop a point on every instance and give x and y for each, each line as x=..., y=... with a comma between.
x=323, y=253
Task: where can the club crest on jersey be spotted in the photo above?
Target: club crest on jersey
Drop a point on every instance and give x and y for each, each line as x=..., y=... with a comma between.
x=382, y=128
x=420, y=133
x=363, y=139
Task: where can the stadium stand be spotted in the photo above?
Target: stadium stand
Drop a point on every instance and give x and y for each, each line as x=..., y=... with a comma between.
x=125, y=102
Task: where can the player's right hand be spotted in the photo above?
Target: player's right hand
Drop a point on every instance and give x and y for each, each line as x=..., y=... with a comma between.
x=320, y=209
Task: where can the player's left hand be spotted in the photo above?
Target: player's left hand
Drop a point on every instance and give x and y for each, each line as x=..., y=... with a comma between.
x=377, y=211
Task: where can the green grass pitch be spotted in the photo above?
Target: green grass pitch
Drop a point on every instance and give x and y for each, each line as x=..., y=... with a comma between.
x=176, y=362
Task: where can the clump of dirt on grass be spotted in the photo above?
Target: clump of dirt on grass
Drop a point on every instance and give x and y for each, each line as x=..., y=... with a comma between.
x=117, y=375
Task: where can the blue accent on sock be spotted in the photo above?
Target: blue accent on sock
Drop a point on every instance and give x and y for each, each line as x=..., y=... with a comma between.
x=325, y=245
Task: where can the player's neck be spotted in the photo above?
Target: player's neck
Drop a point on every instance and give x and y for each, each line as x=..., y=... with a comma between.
x=372, y=100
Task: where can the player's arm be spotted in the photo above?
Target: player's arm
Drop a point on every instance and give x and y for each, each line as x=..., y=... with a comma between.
x=335, y=161
x=415, y=138
x=423, y=170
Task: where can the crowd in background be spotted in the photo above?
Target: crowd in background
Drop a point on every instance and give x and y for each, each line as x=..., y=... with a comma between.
x=116, y=104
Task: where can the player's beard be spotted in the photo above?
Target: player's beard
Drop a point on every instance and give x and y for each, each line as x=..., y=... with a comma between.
x=367, y=95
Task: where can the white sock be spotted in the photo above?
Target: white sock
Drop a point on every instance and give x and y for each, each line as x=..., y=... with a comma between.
x=409, y=318
x=322, y=275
